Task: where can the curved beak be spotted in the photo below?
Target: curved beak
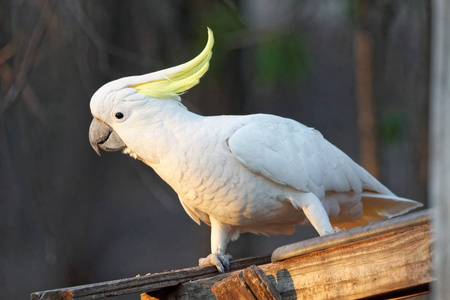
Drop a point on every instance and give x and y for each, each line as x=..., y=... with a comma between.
x=102, y=136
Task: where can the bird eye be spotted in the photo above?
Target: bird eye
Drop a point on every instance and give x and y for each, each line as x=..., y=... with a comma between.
x=120, y=115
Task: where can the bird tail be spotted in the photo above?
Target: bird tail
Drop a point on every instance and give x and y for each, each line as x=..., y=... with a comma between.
x=376, y=207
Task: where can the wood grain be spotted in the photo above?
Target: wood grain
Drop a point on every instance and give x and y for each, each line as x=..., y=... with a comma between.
x=439, y=176
x=250, y=283
x=233, y=287
x=141, y=284
x=259, y=284
x=351, y=235
x=366, y=268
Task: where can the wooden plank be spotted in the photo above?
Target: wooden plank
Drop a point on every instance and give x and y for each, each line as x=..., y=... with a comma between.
x=233, y=287
x=250, y=283
x=440, y=143
x=141, y=284
x=351, y=235
x=259, y=284
x=392, y=260
x=57, y=295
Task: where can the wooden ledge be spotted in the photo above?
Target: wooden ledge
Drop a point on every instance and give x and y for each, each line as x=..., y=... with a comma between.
x=146, y=283
x=351, y=235
x=379, y=260
x=387, y=258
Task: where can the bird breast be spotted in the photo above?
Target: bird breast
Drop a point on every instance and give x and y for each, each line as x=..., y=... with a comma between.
x=205, y=174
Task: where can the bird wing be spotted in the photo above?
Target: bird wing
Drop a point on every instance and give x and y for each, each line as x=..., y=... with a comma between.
x=294, y=155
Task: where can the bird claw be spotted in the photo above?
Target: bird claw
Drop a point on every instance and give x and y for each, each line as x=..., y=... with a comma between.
x=335, y=230
x=221, y=261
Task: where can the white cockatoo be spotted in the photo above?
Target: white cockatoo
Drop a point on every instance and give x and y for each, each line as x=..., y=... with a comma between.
x=257, y=173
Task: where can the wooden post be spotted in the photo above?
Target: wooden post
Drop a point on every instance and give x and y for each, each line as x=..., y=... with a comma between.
x=365, y=103
x=440, y=144
x=251, y=283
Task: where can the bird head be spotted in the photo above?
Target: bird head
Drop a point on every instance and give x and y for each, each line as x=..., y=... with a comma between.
x=118, y=103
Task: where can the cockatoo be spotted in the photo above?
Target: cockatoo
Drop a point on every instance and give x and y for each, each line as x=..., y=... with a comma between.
x=256, y=173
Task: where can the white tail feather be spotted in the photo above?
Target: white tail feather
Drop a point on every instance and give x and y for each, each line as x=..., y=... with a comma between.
x=388, y=205
x=375, y=207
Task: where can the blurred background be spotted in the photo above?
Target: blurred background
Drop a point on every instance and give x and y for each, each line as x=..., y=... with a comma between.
x=358, y=71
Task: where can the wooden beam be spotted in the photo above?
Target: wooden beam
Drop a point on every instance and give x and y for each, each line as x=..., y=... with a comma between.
x=440, y=143
x=388, y=258
x=141, y=284
x=383, y=260
x=250, y=283
x=365, y=102
x=377, y=265
x=352, y=235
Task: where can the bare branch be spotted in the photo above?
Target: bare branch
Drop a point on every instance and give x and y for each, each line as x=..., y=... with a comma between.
x=103, y=46
x=47, y=9
x=28, y=94
x=7, y=52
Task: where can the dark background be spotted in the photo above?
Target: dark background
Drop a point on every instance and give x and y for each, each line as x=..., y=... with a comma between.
x=69, y=217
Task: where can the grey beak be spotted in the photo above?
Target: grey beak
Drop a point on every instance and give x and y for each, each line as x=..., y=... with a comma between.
x=101, y=135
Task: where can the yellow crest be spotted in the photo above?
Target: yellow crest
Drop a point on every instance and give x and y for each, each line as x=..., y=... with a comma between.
x=177, y=80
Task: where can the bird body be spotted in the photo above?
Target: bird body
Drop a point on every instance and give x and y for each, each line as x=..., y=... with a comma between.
x=257, y=173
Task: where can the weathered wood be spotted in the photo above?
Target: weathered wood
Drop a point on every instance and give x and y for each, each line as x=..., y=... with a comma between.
x=440, y=143
x=55, y=295
x=145, y=296
x=392, y=261
x=141, y=284
x=259, y=284
x=378, y=265
x=233, y=287
x=250, y=283
x=391, y=257
x=351, y=235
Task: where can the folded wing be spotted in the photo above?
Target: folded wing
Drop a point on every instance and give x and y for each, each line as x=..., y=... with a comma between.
x=297, y=156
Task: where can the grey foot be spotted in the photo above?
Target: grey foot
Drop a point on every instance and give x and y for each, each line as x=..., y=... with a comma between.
x=221, y=261
x=335, y=230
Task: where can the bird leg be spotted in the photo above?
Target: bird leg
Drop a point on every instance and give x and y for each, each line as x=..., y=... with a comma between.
x=220, y=236
x=314, y=211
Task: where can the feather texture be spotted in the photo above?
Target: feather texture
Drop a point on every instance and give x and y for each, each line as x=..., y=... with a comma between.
x=297, y=156
x=292, y=154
